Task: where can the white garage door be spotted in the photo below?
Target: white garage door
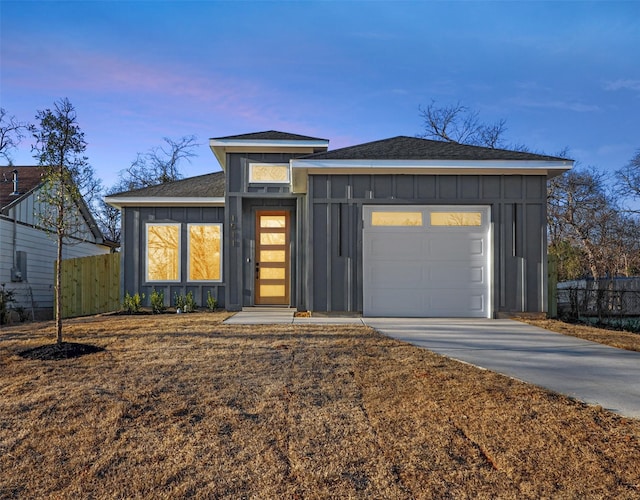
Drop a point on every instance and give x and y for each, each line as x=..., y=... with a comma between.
x=427, y=261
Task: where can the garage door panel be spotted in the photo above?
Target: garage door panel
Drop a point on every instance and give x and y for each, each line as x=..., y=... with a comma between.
x=451, y=303
x=456, y=246
x=429, y=270
x=384, y=245
x=457, y=274
x=407, y=303
x=386, y=273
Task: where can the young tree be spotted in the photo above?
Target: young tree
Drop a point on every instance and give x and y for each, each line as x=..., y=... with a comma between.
x=158, y=165
x=11, y=133
x=59, y=148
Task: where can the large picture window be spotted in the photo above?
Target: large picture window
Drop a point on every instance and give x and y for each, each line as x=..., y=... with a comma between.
x=205, y=252
x=163, y=252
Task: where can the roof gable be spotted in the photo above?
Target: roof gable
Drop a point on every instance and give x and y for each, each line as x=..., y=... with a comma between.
x=28, y=178
x=413, y=148
x=271, y=141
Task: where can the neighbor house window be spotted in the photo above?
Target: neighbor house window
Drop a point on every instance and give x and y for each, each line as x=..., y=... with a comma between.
x=205, y=252
x=456, y=219
x=268, y=173
x=396, y=218
x=163, y=252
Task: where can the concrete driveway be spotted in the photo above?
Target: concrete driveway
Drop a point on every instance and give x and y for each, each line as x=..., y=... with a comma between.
x=590, y=372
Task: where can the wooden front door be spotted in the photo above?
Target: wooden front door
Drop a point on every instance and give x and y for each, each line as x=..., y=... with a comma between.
x=272, y=257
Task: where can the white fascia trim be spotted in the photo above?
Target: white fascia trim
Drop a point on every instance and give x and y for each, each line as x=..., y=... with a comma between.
x=266, y=143
x=132, y=201
x=440, y=165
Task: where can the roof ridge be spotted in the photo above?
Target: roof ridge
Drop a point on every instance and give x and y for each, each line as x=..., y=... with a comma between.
x=273, y=135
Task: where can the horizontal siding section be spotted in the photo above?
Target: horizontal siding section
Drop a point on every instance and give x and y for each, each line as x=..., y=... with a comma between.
x=25, y=213
x=40, y=248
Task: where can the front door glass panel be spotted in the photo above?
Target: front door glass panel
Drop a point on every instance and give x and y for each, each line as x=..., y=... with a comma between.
x=272, y=273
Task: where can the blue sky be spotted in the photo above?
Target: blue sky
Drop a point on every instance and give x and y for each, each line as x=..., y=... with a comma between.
x=560, y=73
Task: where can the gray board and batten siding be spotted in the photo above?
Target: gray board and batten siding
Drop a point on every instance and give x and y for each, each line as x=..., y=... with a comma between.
x=325, y=200
x=243, y=200
x=176, y=209
x=334, y=236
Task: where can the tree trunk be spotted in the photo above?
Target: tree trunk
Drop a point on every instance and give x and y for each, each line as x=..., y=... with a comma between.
x=59, y=292
x=60, y=234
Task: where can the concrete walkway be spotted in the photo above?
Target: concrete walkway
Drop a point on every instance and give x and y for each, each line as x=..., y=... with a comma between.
x=587, y=371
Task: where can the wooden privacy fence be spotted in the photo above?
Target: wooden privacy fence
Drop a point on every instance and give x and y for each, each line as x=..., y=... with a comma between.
x=90, y=285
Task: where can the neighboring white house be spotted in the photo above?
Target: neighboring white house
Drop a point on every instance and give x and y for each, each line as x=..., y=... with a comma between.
x=27, y=250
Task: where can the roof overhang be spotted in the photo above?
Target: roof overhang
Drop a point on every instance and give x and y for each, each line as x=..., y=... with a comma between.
x=301, y=168
x=505, y=167
x=162, y=201
x=221, y=147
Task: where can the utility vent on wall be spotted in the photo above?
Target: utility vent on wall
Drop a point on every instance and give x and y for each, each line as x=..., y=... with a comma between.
x=19, y=273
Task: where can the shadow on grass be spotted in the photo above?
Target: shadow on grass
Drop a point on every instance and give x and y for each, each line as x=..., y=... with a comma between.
x=55, y=352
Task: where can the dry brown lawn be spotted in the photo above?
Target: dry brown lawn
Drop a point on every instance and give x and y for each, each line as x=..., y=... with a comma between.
x=183, y=406
x=615, y=338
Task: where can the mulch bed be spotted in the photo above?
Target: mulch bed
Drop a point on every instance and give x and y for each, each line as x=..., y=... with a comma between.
x=56, y=352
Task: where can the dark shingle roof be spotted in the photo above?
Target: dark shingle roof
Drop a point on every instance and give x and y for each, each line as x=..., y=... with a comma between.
x=201, y=186
x=413, y=148
x=28, y=178
x=269, y=135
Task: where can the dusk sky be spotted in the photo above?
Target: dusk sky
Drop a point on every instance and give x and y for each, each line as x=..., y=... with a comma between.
x=560, y=73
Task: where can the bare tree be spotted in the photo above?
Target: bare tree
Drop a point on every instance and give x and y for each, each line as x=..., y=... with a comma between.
x=582, y=214
x=629, y=180
x=108, y=217
x=11, y=133
x=457, y=123
x=59, y=148
x=158, y=165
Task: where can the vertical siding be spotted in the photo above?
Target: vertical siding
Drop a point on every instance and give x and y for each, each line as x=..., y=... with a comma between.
x=241, y=201
x=133, y=278
x=518, y=208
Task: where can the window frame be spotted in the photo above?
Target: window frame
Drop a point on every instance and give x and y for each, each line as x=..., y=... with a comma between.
x=177, y=225
x=253, y=180
x=220, y=264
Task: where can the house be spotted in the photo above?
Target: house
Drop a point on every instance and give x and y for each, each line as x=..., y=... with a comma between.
x=397, y=227
x=28, y=250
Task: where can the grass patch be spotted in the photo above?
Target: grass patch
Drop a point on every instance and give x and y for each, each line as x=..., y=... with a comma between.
x=614, y=338
x=182, y=405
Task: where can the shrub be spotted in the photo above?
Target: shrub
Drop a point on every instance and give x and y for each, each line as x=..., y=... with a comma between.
x=132, y=304
x=185, y=303
x=178, y=301
x=212, y=302
x=157, y=302
x=6, y=296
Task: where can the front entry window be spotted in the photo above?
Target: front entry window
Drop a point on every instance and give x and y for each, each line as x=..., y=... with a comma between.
x=205, y=243
x=163, y=252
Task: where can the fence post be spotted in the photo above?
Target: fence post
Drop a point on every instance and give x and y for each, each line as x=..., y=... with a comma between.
x=552, y=286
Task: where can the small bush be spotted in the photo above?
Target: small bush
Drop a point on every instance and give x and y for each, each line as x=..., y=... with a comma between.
x=212, y=302
x=132, y=303
x=185, y=303
x=6, y=297
x=157, y=302
x=178, y=301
